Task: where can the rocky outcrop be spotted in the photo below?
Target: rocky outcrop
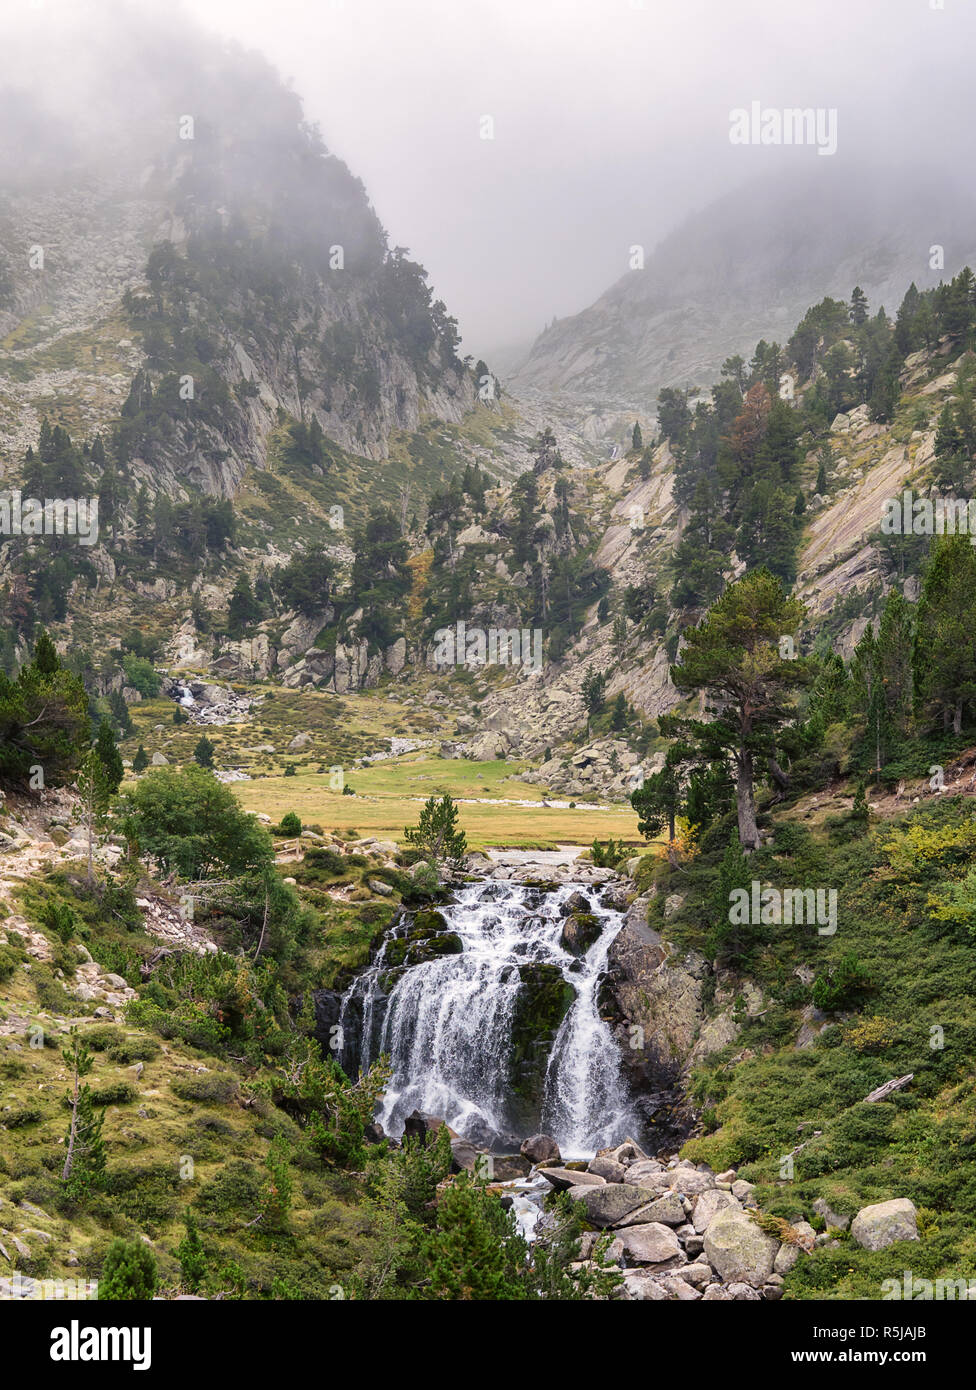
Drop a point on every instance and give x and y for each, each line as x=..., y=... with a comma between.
x=656, y=996
x=677, y=1231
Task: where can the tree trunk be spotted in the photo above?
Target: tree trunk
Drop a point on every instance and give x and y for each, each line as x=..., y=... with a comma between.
x=69, y=1156
x=745, y=801
x=264, y=924
x=780, y=777
x=957, y=718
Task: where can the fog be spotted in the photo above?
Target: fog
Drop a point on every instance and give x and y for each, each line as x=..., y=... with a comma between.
x=611, y=118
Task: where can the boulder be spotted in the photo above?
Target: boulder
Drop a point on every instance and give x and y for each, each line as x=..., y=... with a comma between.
x=698, y=1274
x=420, y=1125
x=579, y=933
x=738, y=1250
x=831, y=1218
x=744, y=1293
x=651, y=1243
x=574, y=903
x=464, y=1156
x=607, y=1168
x=708, y=1206
x=508, y=1167
x=639, y=1288
x=628, y=1152
x=562, y=1179
x=689, y=1182
x=880, y=1225
x=608, y=1203
x=540, y=1148
x=666, y=1210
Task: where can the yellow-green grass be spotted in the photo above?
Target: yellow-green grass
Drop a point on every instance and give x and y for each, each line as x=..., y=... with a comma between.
x=150, y=1139
x=341, y=730
x=389, y=796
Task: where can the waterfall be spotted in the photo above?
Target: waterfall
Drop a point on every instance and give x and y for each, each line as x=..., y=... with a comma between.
x=452, y=1025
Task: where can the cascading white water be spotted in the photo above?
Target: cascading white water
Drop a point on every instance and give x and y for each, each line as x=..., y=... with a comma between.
x=447, y=1023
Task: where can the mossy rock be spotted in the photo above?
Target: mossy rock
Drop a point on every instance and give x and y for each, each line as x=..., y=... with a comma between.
x=540, y=1007
x=414, y=948
x=428, y=921
x=580, y=931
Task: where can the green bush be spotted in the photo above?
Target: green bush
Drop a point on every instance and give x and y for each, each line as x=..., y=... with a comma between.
x=8, y=964
x=115, y=1093
x=291, y=824
x=28, y=1115
x=102, y=1038
x=134, y=1050
x=129, y=1272
x=235, y=1188
x=210, y=1090
x=841, y=982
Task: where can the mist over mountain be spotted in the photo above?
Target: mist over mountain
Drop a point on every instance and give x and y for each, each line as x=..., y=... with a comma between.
x=746, y=267
x=174, y=195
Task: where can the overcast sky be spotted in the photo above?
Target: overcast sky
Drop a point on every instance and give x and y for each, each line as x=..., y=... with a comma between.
x=611, y=118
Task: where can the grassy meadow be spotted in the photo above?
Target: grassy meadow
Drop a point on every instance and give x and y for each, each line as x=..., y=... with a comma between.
x=389, y=795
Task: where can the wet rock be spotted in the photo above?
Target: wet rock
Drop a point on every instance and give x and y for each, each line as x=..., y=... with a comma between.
x=420, y=1125
x=540, y=1148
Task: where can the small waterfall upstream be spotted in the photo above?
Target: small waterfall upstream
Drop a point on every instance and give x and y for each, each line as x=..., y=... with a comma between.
x=452, y=1025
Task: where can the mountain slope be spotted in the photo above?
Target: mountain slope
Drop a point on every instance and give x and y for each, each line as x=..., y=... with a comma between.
x=743, y=268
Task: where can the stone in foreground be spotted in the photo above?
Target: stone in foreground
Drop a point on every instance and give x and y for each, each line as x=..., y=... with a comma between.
x=610, y=1202
x=650, y=1244
x=738, y=1250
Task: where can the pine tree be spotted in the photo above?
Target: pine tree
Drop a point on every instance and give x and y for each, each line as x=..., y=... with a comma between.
x=475, y=1253
x=592, y=690
x=734, y=655
x=732, y=938
x=859, y=306
x=129, y=1272
x=141, y=760
x=438, y=836
x=191, y=1254
x=203, y=753
x=111, y=758
x=84, y=1161
x=944, y=664
x=46, y=660
x=244, y=608
x=619, y=714
x=96, y=791
x=823, y=458
x=660, y=800
x=868, y=698
x=637, y=438
x=120, y=712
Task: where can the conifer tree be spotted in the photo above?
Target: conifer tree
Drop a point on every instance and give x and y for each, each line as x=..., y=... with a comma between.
x=734, y=655
x=944, y=664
